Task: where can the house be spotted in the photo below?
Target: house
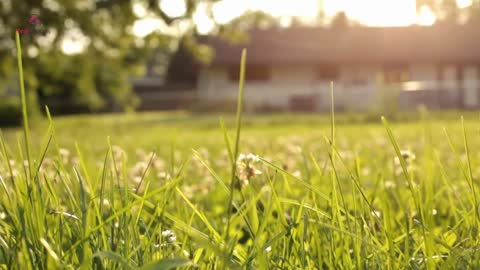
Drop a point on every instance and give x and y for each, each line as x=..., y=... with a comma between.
x=291, y=68
x=156, y=94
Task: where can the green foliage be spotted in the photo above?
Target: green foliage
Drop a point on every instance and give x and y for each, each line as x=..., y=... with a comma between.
x=290, y=209
x=10, y=111
x=448, y=10
x=95, y=79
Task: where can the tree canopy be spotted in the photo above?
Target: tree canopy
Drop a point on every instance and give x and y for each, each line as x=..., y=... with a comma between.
x=449, y=10
x=98, y=74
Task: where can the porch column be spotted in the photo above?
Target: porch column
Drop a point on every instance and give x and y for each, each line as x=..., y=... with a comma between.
x=470, y=85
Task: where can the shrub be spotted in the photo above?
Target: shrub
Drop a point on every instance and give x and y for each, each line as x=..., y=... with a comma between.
x=10, y=111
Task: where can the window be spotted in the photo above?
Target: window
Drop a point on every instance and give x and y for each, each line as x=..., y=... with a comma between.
x=255, y=73
x=396, y=73
x=357, y=81
x=327, y=72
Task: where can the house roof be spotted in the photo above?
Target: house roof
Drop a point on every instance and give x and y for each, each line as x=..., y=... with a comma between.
x=450, y=43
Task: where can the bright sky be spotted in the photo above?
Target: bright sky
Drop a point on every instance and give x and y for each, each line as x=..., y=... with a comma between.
x=368, y=12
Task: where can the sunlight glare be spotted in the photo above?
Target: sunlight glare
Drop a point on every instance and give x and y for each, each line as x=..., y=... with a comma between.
x=227, y=10
x=464, y=3
x=139, y=10
x=143, y=27
x=173, y=8
x=375, y=12
x=203, y=22
x=426, y=16
x=367, y=12
x=278, y=8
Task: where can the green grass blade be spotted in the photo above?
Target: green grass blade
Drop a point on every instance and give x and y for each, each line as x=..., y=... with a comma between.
x=241, y=87
x=26, y=129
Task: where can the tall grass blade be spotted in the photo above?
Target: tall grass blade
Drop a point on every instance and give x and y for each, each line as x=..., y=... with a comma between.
x=24, y=102
x=241, y=86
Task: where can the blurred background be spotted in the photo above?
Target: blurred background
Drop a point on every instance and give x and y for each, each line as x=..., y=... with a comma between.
x=97, y=56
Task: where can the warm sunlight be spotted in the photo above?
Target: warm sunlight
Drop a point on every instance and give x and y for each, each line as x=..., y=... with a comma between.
x=375, y=12
x=367, y=12
x=464, y=3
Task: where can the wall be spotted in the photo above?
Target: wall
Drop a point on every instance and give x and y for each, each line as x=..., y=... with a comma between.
x=293, y=83
x=356, y=88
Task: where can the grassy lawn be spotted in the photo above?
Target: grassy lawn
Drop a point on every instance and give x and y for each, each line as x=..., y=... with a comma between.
x=296, y=206
x=167, y=190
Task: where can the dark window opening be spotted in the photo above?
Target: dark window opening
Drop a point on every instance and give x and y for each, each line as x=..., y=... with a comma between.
x=357, y=81
x=252, y=73
x=396, y=73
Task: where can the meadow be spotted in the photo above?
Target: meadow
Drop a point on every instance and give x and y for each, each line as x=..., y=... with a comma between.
x=280, y=191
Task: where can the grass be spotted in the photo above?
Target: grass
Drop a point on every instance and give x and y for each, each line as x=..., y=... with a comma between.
x=166, y=190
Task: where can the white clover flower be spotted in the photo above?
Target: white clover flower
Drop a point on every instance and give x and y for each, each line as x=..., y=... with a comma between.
x=158, y=164
x=268, y=249
x=253, y=157
x=118, y=153
x=407, y=155
x=169, y=235
x=172, y=238
x=163, y=175
x=64, y=152
x=390, y=184
x=248, y=158
x=139, y=169
x=376, y=213
x=166, y=233
x=241, y=157
x=246, y=169
x=297, y=174
x=366, y=171
x=3, y=216
x=137, y=179
x=106, y=202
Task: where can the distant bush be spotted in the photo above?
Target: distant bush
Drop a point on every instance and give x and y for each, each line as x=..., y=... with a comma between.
x=10, y=111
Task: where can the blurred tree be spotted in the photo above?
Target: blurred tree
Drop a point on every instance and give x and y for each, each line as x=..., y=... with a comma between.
x=185, y=63
x=96, y=76
x=340, y=21
x=449, y=11
x=251, y=20
x=474, y=11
